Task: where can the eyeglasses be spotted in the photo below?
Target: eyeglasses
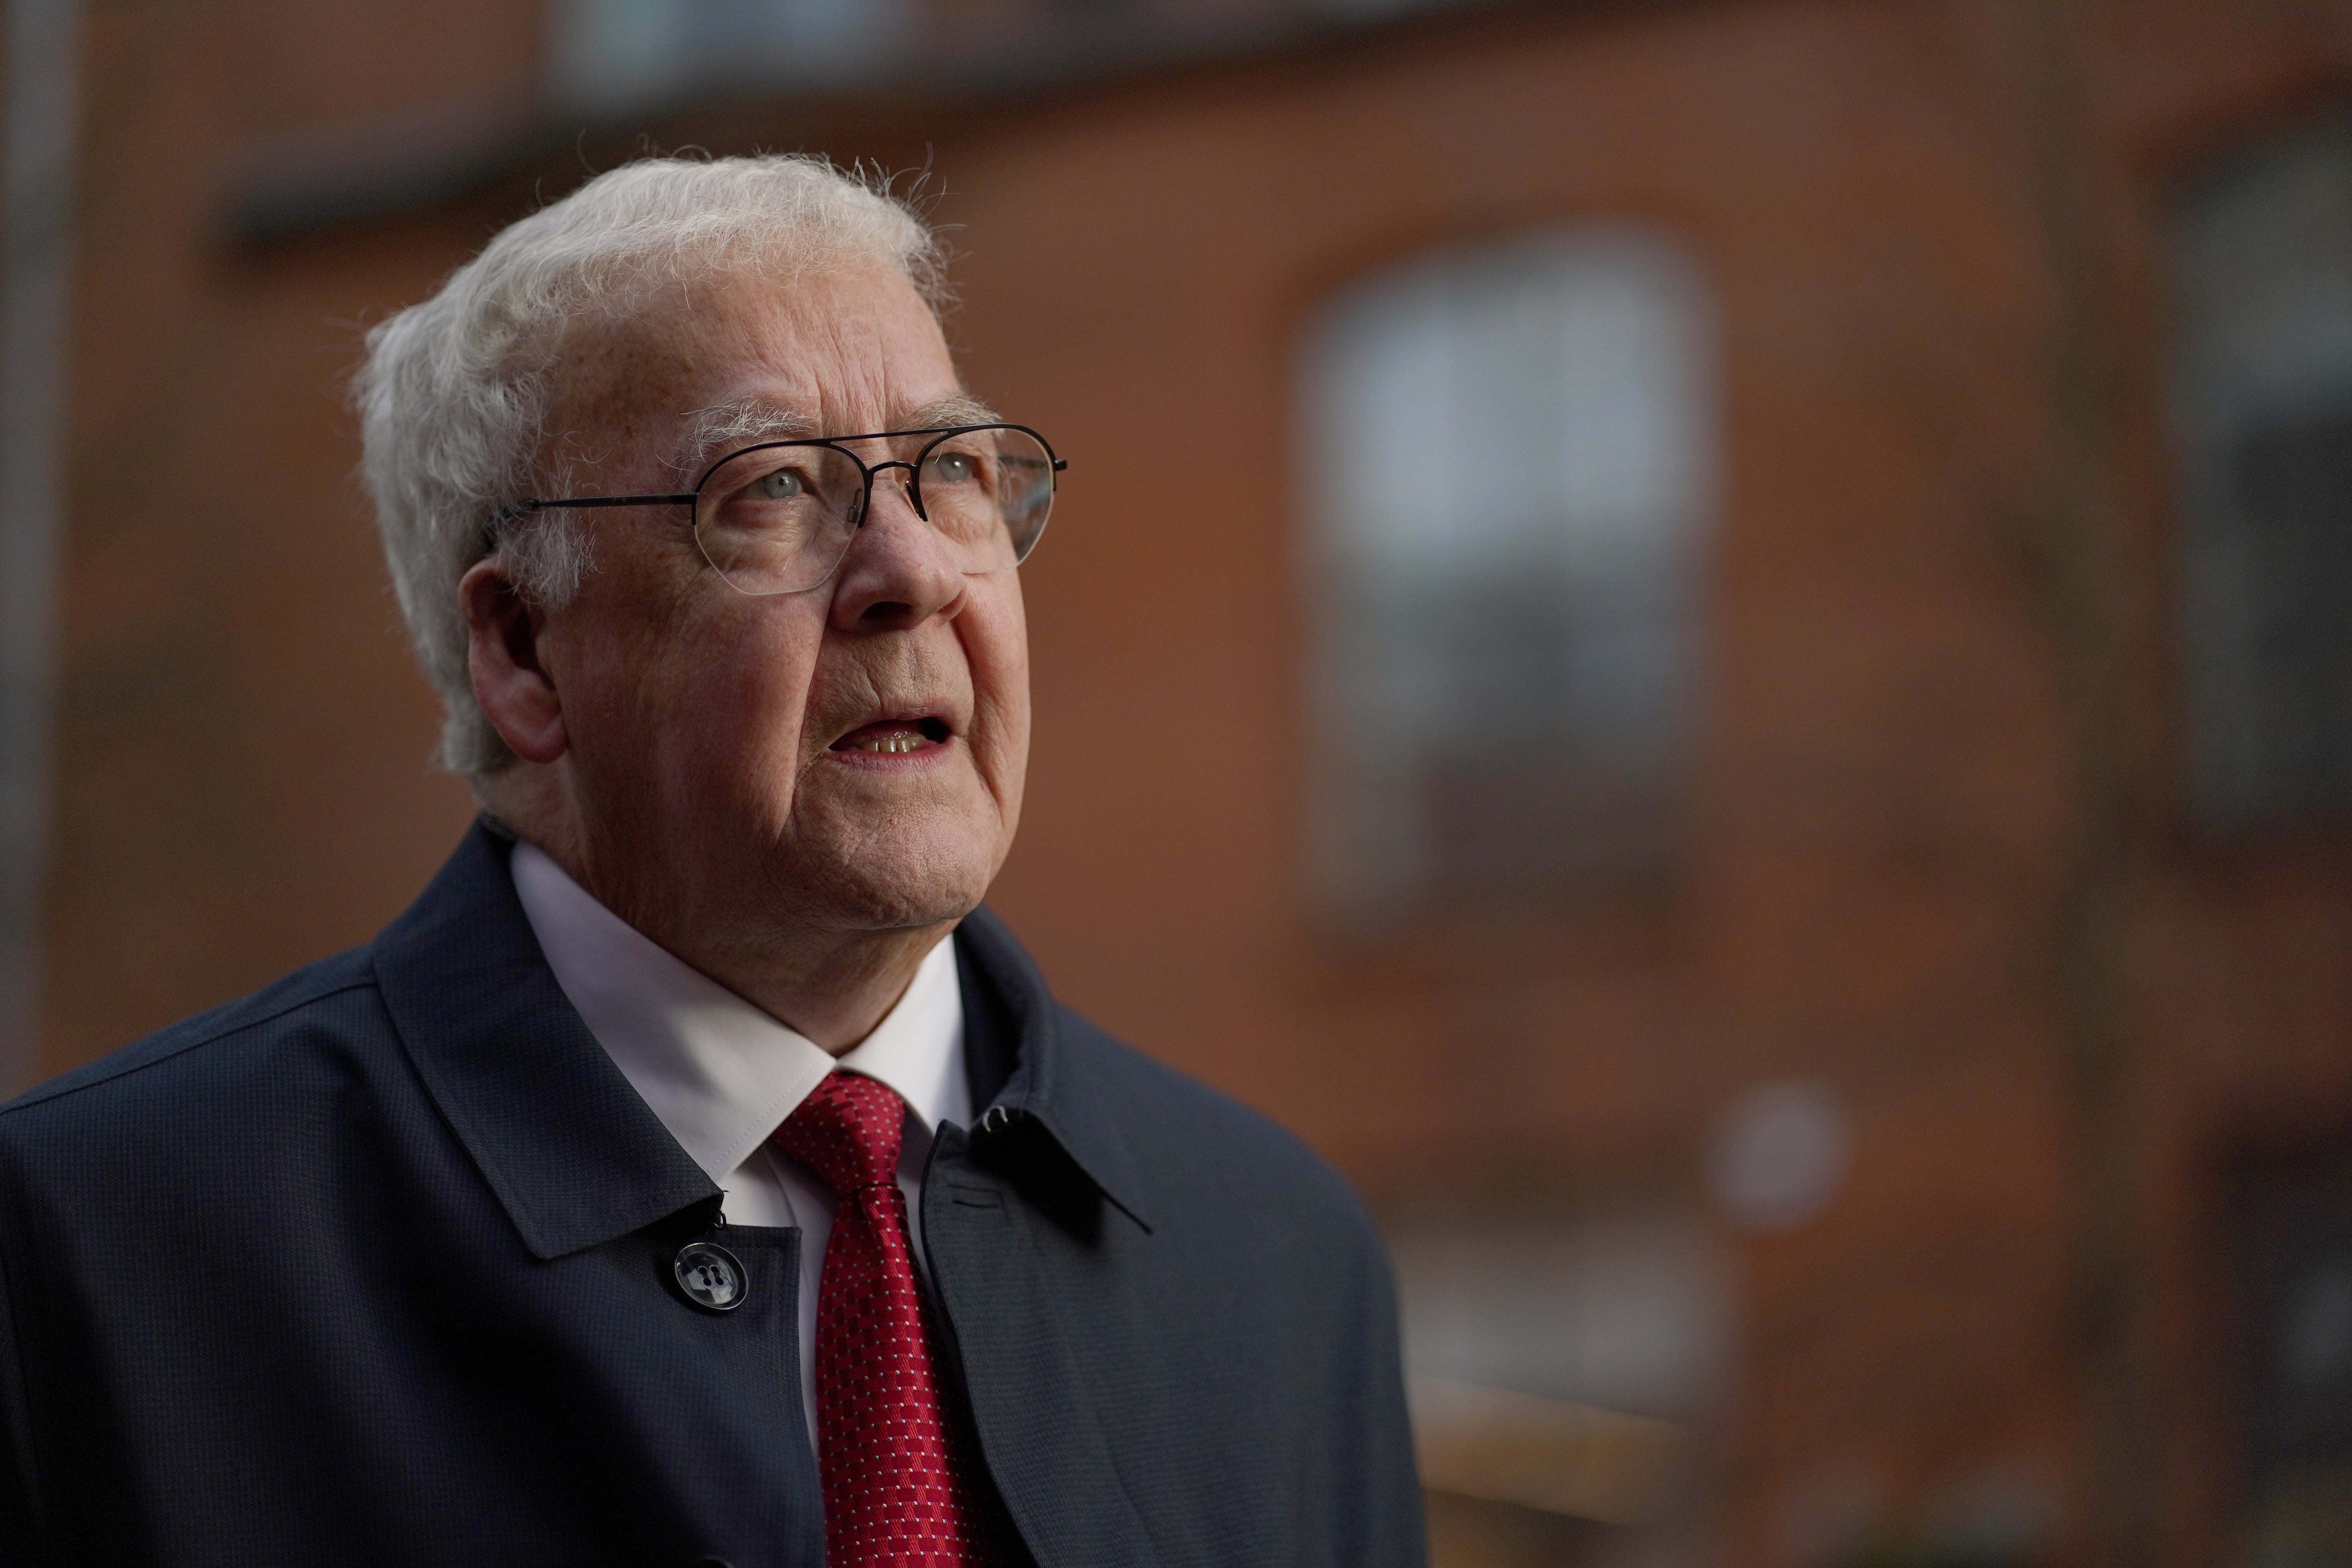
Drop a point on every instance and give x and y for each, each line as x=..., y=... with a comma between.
x=778, y=518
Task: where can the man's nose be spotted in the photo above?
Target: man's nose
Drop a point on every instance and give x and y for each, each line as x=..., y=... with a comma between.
x=898, y=572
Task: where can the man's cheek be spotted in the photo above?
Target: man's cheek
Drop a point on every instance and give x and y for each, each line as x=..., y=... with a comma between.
x=758, y=692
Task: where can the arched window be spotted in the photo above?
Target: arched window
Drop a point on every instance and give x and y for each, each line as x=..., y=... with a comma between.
x=2263, y=402
x=1509, y=462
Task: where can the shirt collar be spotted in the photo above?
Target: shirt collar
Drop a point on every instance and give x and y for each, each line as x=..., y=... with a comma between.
x=717, y=1072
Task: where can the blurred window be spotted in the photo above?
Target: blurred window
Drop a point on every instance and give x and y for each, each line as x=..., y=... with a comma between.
x=1509, y=461
x=2263, y=402
x=609, y=54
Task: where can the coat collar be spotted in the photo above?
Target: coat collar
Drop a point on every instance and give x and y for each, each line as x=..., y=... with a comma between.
x=572, y=1152
x=1045, y=1081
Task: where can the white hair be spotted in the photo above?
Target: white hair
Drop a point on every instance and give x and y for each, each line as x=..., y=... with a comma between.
x=453, y=393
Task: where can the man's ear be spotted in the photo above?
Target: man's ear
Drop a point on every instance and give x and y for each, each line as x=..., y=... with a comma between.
x=502, y=651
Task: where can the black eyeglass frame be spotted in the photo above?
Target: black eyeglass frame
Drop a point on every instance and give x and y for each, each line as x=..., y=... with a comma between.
x=509, y=510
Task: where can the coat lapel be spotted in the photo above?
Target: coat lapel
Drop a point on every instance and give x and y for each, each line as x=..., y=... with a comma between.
x=1011, y=1019
x=573, y=1154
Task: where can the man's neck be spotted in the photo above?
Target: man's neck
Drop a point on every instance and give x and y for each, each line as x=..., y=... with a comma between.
x=831, y=986
x=833, y=994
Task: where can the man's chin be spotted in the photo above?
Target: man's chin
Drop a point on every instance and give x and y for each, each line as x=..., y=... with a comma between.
x=909, y=864
x=899, y=889
x=904, y=908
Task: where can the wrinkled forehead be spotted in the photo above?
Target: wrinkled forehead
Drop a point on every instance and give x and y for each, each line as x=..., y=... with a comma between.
x=730, y=427
x=737, y=355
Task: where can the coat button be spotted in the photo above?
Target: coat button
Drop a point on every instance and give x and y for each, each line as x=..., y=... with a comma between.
x=709, y=1276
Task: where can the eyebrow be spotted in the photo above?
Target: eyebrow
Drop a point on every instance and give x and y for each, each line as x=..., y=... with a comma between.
x=956, y=410
x=729, y=425
x=732, y=424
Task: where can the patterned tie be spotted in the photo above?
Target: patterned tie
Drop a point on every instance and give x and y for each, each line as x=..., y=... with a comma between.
x=898, y=1461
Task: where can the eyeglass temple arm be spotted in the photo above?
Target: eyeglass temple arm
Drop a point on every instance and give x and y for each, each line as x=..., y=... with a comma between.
x=509, y=510
x=685, y=499
x=514, y=508
x=1061, y=465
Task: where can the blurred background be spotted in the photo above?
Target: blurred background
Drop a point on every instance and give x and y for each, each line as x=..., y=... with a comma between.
x=1711, y=640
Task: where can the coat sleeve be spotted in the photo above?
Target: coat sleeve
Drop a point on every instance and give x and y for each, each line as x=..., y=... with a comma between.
x=1382, y=1523
x=20, y=1531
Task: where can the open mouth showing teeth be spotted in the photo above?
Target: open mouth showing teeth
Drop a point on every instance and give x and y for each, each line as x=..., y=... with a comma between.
x=894, y=735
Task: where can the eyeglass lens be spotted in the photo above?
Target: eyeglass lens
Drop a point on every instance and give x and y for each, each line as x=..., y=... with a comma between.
x=778, y=518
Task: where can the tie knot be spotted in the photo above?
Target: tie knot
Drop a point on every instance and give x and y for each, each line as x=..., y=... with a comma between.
x=847, y=1130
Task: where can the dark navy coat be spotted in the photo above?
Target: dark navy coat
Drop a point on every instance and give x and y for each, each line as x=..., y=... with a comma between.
x=375, y=1266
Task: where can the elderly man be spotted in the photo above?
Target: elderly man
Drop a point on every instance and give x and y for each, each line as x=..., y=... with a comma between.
x=697, y=1172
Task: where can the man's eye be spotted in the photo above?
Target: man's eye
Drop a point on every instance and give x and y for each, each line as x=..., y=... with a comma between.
x=952, y=467
x=781, y=485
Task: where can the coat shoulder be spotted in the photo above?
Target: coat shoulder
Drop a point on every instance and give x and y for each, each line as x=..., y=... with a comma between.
x=1205, y=1153
x=297, y=1004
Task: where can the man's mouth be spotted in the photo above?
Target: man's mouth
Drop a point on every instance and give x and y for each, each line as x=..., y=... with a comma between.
x=894, y=735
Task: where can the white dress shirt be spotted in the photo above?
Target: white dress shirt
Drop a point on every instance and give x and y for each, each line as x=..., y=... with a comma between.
x=721, y=1075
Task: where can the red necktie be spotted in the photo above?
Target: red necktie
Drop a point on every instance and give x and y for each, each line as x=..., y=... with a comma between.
x=898, y=1461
